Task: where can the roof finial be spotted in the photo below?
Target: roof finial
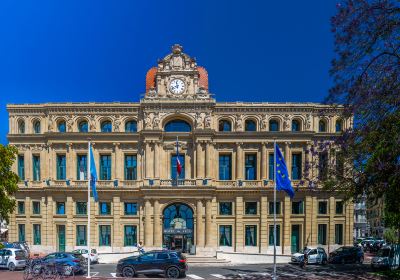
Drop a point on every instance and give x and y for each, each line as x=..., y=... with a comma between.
x=177, y=49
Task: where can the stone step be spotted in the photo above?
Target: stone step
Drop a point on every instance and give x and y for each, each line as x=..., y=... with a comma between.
x=199, y=259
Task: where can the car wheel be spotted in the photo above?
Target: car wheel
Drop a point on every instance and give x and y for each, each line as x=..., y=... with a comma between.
x=172, y=272
x=361, y=260
x=128, y=271
x=11, y=266
x=68, y=270
x=324, y=262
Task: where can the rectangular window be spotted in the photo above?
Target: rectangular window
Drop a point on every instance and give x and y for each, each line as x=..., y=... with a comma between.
x=130, y=235
x=61, y=167
x=271, y=166
x=21, y=207
x=60, y=208
x=225, y=235
x=225, y=208
x=130, y=208
x=36, y=234
x=339, y=234
x=81, y=235
x=36, y=207
x=251, y=235
x=36, y=168
x=271, y=235
x=130, y=167
x=339, y=207
x=251, y=208
x=105, y=167
x=21, y=167
x=271, y=208
x=21, y=233
x=322, y=207
x=297, y=207
x=296, y=166
x=105, y=235
x=105, y=208
x=251, y=167
x=81, y=208
x=174, y=164
x=323, y=165
x=225, y=167
x=322, y=234
x=81, y=167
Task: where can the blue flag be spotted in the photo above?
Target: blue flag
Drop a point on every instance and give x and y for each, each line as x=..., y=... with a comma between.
x=282, y=175
x=93, y=175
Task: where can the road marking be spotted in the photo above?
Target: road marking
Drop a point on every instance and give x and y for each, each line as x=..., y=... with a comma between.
x=113, y=274
x=194, y=276
x=219, y=276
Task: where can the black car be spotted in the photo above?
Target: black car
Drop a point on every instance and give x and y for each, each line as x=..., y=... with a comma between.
x=347, y=254
x=170, y=263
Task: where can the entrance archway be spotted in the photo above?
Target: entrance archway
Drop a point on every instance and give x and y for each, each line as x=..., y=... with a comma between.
x=178, y=227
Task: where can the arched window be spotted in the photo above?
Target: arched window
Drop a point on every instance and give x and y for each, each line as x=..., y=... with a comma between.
x=36, y=127
x=21, y=126
x=273, y=125
x=131, y=126
x=106, y=126
x=177, y=126
x=224, y=125
x=339, y=126
x=295, y=125
x=322, y=126
x=61, y=126
x=250, y=125
x=83, y=126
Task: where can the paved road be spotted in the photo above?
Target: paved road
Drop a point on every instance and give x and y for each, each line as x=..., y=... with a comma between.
x=285, y=271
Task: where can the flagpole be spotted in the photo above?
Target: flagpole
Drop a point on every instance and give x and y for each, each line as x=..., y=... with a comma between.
x=274, y=275
x=88, y=209
x=177, y=159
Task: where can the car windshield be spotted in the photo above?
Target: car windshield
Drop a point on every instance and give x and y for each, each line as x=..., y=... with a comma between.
x=20, y=253
x=383, y=253
x=306, y=251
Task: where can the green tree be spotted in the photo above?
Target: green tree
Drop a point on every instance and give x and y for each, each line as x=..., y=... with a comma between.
x=390, y=235
x=8, y=181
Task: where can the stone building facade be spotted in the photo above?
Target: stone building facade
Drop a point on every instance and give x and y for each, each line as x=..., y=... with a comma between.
x=222, y=200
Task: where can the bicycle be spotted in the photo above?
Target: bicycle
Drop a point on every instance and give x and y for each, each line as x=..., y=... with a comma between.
x=33, y=269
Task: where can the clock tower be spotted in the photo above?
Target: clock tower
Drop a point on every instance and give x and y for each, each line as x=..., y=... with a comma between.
x=177, y=76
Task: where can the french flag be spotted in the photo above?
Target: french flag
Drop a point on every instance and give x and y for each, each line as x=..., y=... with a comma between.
x=178, y=163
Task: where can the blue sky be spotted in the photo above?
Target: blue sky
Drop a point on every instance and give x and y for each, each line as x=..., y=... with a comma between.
x=56, y=51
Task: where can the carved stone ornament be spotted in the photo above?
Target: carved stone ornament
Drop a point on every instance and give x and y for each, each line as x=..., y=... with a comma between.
x=308, y=121
x=156, y=121
x=117, y=123
x=152, y=93
x=50, y=124
x=70, y=123
x=239, y=122
x=199, y=120
x=148, y=120
x=286, y=122
x=264, y=123
x=207, y=121
x=92, y=122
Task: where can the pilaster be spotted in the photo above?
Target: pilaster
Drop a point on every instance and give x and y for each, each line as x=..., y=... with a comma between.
x=239, y=224
x=157, y=225
x=148, y=227
x=200, y=234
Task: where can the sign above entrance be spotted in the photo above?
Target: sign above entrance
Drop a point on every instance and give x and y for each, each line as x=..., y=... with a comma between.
x=177, y=231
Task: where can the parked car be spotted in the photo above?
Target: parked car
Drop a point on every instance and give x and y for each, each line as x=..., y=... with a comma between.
x=73, y=263
x=170, y=263
x=12, y=258
x=18, y=245
x=347, y=254
x=383, y=258
x=315, y=255
x=94, y=256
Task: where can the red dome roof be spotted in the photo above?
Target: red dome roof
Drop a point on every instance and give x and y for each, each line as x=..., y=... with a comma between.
x=151, y=78
x=203, y=79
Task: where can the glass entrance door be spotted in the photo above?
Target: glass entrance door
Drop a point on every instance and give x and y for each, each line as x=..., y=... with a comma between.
x=61, y=238
x=295, y=238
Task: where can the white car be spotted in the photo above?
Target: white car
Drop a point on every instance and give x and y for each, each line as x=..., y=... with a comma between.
x=315, y=255
x=12, y=258
x=94, y=256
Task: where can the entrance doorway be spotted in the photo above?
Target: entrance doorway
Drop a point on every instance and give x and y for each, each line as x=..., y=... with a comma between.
x=61, y=238
x=178, y=227
x=295, y=239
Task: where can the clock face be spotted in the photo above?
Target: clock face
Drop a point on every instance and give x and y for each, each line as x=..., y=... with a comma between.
x=177, y=86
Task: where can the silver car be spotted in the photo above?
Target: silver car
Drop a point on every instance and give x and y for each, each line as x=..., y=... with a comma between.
x=315, y=255
x=12, y=258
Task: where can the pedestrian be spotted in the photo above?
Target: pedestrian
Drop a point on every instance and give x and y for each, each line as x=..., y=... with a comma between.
x=305, y=258
x=140, y=248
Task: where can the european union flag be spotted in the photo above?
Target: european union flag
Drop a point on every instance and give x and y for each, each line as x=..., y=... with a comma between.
x=93, y=175
x=282, y=175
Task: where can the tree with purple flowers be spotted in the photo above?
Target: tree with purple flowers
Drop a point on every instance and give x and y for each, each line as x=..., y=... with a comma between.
x=366, y=74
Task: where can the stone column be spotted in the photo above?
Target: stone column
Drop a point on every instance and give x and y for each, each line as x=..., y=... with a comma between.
x=263, y=224
x=148, y=229
x=199, y=224
x=117, y=230
x=28, y=224
x=264, y=161
x=308, y=238
x=287, y=158
x=286, y=226
x=239, y=229
x=157, y=225
x=239, y=161
x=118, y=168
x=199, y=163
x=208, y=223
x=49, y=228
x=149, y=161
x=331, y=229
x=156, y=160
x=69, y=234
x=207, y=159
